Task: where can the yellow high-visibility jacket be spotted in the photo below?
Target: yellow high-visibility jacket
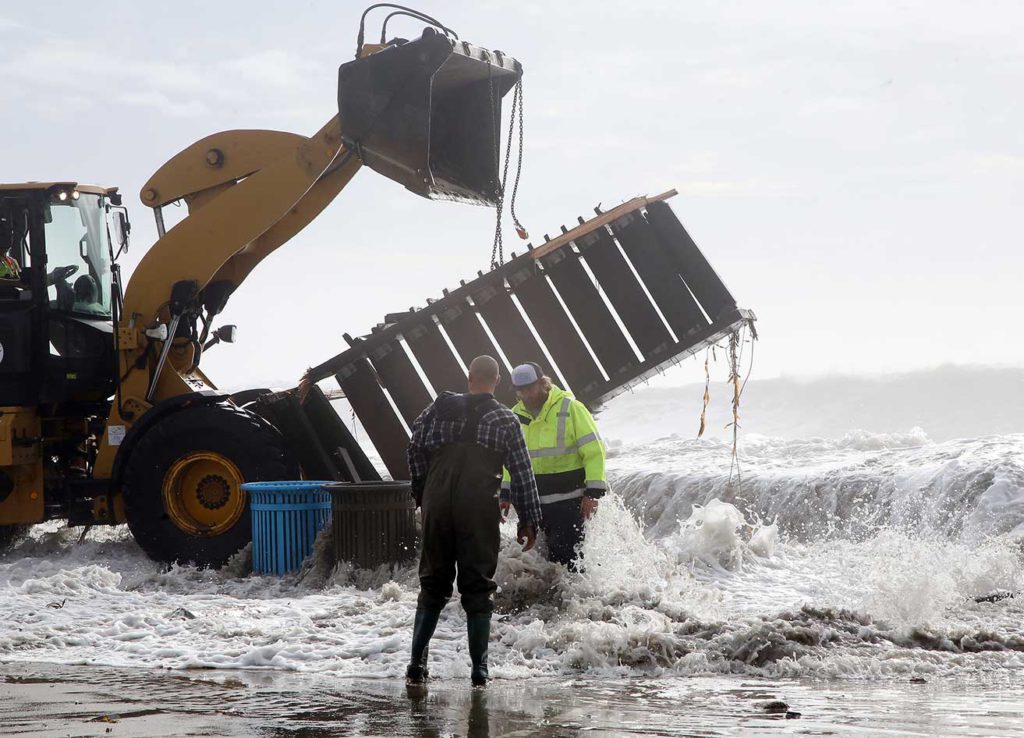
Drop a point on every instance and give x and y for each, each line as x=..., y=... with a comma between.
x=566, y=450
x=9, y=268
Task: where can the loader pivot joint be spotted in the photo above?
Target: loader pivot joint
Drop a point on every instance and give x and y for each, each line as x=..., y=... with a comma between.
x=183, y=294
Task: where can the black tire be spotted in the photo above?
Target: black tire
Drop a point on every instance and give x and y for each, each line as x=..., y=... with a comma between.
x=255, y=448
x=245, y=398
x=9, y=534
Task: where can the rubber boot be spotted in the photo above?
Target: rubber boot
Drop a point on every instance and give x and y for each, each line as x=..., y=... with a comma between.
x=423, y=630
x=478, y=628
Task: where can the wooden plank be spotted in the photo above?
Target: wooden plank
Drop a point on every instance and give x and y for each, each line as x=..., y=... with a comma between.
x=457, y=296
x=381, y=422
x=624, y=292
x=590, y=312
x=696, y=270
x=603, y=219
x=435, y=357
x=657, y=269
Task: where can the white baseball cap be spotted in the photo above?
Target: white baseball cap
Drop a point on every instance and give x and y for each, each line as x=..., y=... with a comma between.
x=526, y=374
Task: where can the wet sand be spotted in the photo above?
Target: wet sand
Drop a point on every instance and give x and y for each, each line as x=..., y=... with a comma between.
x=45, y=701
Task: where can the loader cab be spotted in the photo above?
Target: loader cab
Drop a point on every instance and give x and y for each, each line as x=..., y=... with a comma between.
x=56, y=314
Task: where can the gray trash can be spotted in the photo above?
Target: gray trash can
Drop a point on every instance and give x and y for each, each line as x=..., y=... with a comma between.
x=374, y=523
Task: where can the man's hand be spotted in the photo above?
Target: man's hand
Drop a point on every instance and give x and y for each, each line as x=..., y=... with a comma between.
x=588, y=506
x=527, y=533
x=416, y=487
x=64, y=272
x=504, y=506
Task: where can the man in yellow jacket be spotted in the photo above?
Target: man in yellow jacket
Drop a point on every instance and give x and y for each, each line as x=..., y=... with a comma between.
x=567, y=456
x=9, y=267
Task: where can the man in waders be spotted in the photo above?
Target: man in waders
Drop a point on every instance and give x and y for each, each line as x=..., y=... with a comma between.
x=458, y=448
x=568, y=459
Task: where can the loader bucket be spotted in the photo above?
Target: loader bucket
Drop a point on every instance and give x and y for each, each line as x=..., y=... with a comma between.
x=427, y=114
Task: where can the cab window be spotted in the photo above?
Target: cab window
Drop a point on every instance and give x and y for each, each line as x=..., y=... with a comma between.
x=78, y=268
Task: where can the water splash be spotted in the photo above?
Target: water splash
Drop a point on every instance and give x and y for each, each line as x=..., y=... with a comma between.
x=863, y=555
x=960, y=490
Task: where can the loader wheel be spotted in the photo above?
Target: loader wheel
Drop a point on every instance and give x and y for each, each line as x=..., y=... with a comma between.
x=182, y=483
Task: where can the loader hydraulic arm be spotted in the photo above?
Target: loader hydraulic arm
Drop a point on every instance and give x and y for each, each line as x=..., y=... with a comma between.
x=424, y=113
x=247, y=192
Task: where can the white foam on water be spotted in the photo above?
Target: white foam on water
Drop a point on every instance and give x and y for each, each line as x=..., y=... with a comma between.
x=864, y=555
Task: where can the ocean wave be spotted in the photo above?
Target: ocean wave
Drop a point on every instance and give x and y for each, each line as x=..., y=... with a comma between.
x=813, y=488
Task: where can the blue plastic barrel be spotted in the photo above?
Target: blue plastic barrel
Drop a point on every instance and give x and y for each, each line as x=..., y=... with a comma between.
x=286, y=517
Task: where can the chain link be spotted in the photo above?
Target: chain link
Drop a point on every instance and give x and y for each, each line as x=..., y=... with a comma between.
x=496, y=138
x=519, y=162
x=498, y=249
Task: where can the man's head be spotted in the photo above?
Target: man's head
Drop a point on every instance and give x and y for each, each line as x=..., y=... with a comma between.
x=530, y=384
x=85, y=289
x=483, y=375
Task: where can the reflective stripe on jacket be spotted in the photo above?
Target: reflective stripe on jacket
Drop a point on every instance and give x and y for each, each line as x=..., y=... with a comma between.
x=563, y=438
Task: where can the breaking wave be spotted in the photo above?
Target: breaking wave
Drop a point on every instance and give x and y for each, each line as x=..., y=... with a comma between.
x=859, y=555
x=851, y=487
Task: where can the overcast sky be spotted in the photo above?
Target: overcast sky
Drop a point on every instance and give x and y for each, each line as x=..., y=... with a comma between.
x=854, y=172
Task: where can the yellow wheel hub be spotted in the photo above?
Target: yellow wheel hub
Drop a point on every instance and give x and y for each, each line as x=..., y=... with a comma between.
x=203, y=493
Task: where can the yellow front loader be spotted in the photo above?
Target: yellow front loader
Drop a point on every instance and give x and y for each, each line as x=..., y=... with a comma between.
x=105, y=413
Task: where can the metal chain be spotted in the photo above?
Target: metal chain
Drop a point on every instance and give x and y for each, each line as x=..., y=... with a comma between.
x=498, y=249
x=519, y=163
x=496, y=138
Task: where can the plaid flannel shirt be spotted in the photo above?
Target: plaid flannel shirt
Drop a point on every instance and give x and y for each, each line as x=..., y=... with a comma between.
x=498, y=430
